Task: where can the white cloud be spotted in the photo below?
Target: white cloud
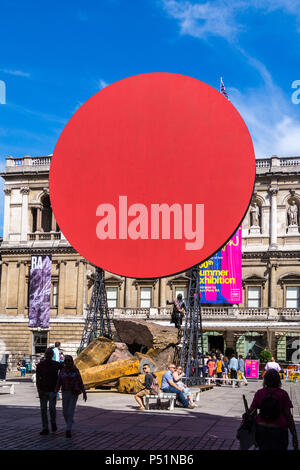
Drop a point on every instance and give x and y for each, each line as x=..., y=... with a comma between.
x=18, y=73
x=222, y=17
x=273, y=122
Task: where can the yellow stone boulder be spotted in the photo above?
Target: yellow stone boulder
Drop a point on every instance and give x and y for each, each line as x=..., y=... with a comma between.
x=96, y=353
x=98, y=375
x=131, y=384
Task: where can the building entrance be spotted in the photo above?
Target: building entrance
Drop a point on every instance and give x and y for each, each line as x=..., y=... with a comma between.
x=216, y=343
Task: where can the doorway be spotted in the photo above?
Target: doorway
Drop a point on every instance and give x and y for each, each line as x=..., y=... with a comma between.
x=216, y=343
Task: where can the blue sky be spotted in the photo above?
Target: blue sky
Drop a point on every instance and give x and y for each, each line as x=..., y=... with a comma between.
x=55, y=55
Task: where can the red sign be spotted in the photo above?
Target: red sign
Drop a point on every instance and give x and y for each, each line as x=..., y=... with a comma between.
x=152, y=175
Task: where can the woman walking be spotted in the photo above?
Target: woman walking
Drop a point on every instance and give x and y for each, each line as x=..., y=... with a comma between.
x=69, y=380
x=275, y=418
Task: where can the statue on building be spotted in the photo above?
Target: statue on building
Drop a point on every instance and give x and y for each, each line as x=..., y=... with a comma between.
x=254, y=215
x=292, y=213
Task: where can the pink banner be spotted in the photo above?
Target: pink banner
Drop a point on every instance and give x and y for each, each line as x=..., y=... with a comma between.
x=220, y=277
x=251, y=369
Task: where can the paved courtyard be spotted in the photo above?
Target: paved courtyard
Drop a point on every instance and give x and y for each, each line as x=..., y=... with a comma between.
x=109, y=421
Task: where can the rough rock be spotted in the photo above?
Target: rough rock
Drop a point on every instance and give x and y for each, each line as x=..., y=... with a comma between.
x=96, y=353
x=121, y=352
x=98, y=375
x=146, y=333
x=131, y=384
x=145, y=359
x=162, y=358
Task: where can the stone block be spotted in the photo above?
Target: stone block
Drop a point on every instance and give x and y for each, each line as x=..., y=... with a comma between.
x=131, y=384
x=96, y=353
x=98, y=375
x=146, y=333
x=121, y=352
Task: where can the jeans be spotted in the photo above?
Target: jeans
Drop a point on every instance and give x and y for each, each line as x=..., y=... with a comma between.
x=271, y=438
x=44, y=399
x=69, y=401
x=180, y=395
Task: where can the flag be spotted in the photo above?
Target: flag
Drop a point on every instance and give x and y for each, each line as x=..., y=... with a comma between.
x=222, y=89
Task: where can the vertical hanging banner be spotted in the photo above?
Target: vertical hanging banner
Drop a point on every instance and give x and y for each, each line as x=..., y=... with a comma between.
x=220, y=277
x=39, y=291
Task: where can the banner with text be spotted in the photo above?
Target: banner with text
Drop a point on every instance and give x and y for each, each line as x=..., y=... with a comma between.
x=251, y=369
x=220, y=277
x=39, y=291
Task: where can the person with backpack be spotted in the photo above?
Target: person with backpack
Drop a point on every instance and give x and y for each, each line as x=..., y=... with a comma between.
x=274, y=418
x=151, y=386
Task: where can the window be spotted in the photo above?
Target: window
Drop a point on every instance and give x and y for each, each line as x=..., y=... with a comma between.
x=39, y=342
x=54, y=302
x=292, y=297
x=112, y=297
x=146, y=297
x=182, y=291
x=254, y=296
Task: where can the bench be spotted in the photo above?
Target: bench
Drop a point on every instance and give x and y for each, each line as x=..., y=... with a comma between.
x=230, y=381
x=162, y=396
x=10, y=385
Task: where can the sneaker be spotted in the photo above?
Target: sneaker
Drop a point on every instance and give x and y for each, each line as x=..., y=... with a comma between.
x=68, y=434
x=53, y=427
x=44, y=432
x=191, y=407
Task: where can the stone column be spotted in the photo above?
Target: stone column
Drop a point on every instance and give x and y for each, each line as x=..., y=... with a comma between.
x=273, y=241
x=3, y=297
x=22, y=287
x=24, y=214
x=273, y=285
x=39, y=219
x=80, y=287
x=163, y=284
x=53, y=222
x=6, y=214
x=61, y=287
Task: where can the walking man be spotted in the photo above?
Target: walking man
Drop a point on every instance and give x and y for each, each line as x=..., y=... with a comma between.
x=169, y=386
x=233, y=367
x=46, y=379
x=241, y=370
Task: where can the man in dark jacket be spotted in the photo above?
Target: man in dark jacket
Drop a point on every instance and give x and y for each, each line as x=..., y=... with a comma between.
x=178, y=311
x=46, y=379
x=147, y=386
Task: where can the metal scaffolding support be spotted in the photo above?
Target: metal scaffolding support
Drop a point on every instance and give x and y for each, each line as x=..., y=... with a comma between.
x=190, y=357
x=97, y=321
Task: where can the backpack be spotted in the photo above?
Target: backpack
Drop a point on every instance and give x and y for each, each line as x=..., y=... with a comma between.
x=155, y=388
x=269, y=408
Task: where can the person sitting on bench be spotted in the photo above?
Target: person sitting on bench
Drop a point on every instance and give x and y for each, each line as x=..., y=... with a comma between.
x=169, y=386
x=149, y=376
x=177, y=376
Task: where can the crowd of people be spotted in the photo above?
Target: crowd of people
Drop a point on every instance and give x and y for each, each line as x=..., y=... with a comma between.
x=222, y=369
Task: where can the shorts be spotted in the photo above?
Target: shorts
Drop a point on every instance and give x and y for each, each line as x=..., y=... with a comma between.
x=143, y=393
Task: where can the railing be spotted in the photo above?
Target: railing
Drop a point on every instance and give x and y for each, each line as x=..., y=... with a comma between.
x=266, y=162
x=44, y=236
x=28, y=161
x=290, y=161
x=209, y=313
x=276, y=162
x=41, y=161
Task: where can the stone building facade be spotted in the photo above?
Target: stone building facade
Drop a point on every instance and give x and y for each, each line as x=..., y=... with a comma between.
x=270, y=312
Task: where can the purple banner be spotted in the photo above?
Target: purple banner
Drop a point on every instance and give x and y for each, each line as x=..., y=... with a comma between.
x=39, y=291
